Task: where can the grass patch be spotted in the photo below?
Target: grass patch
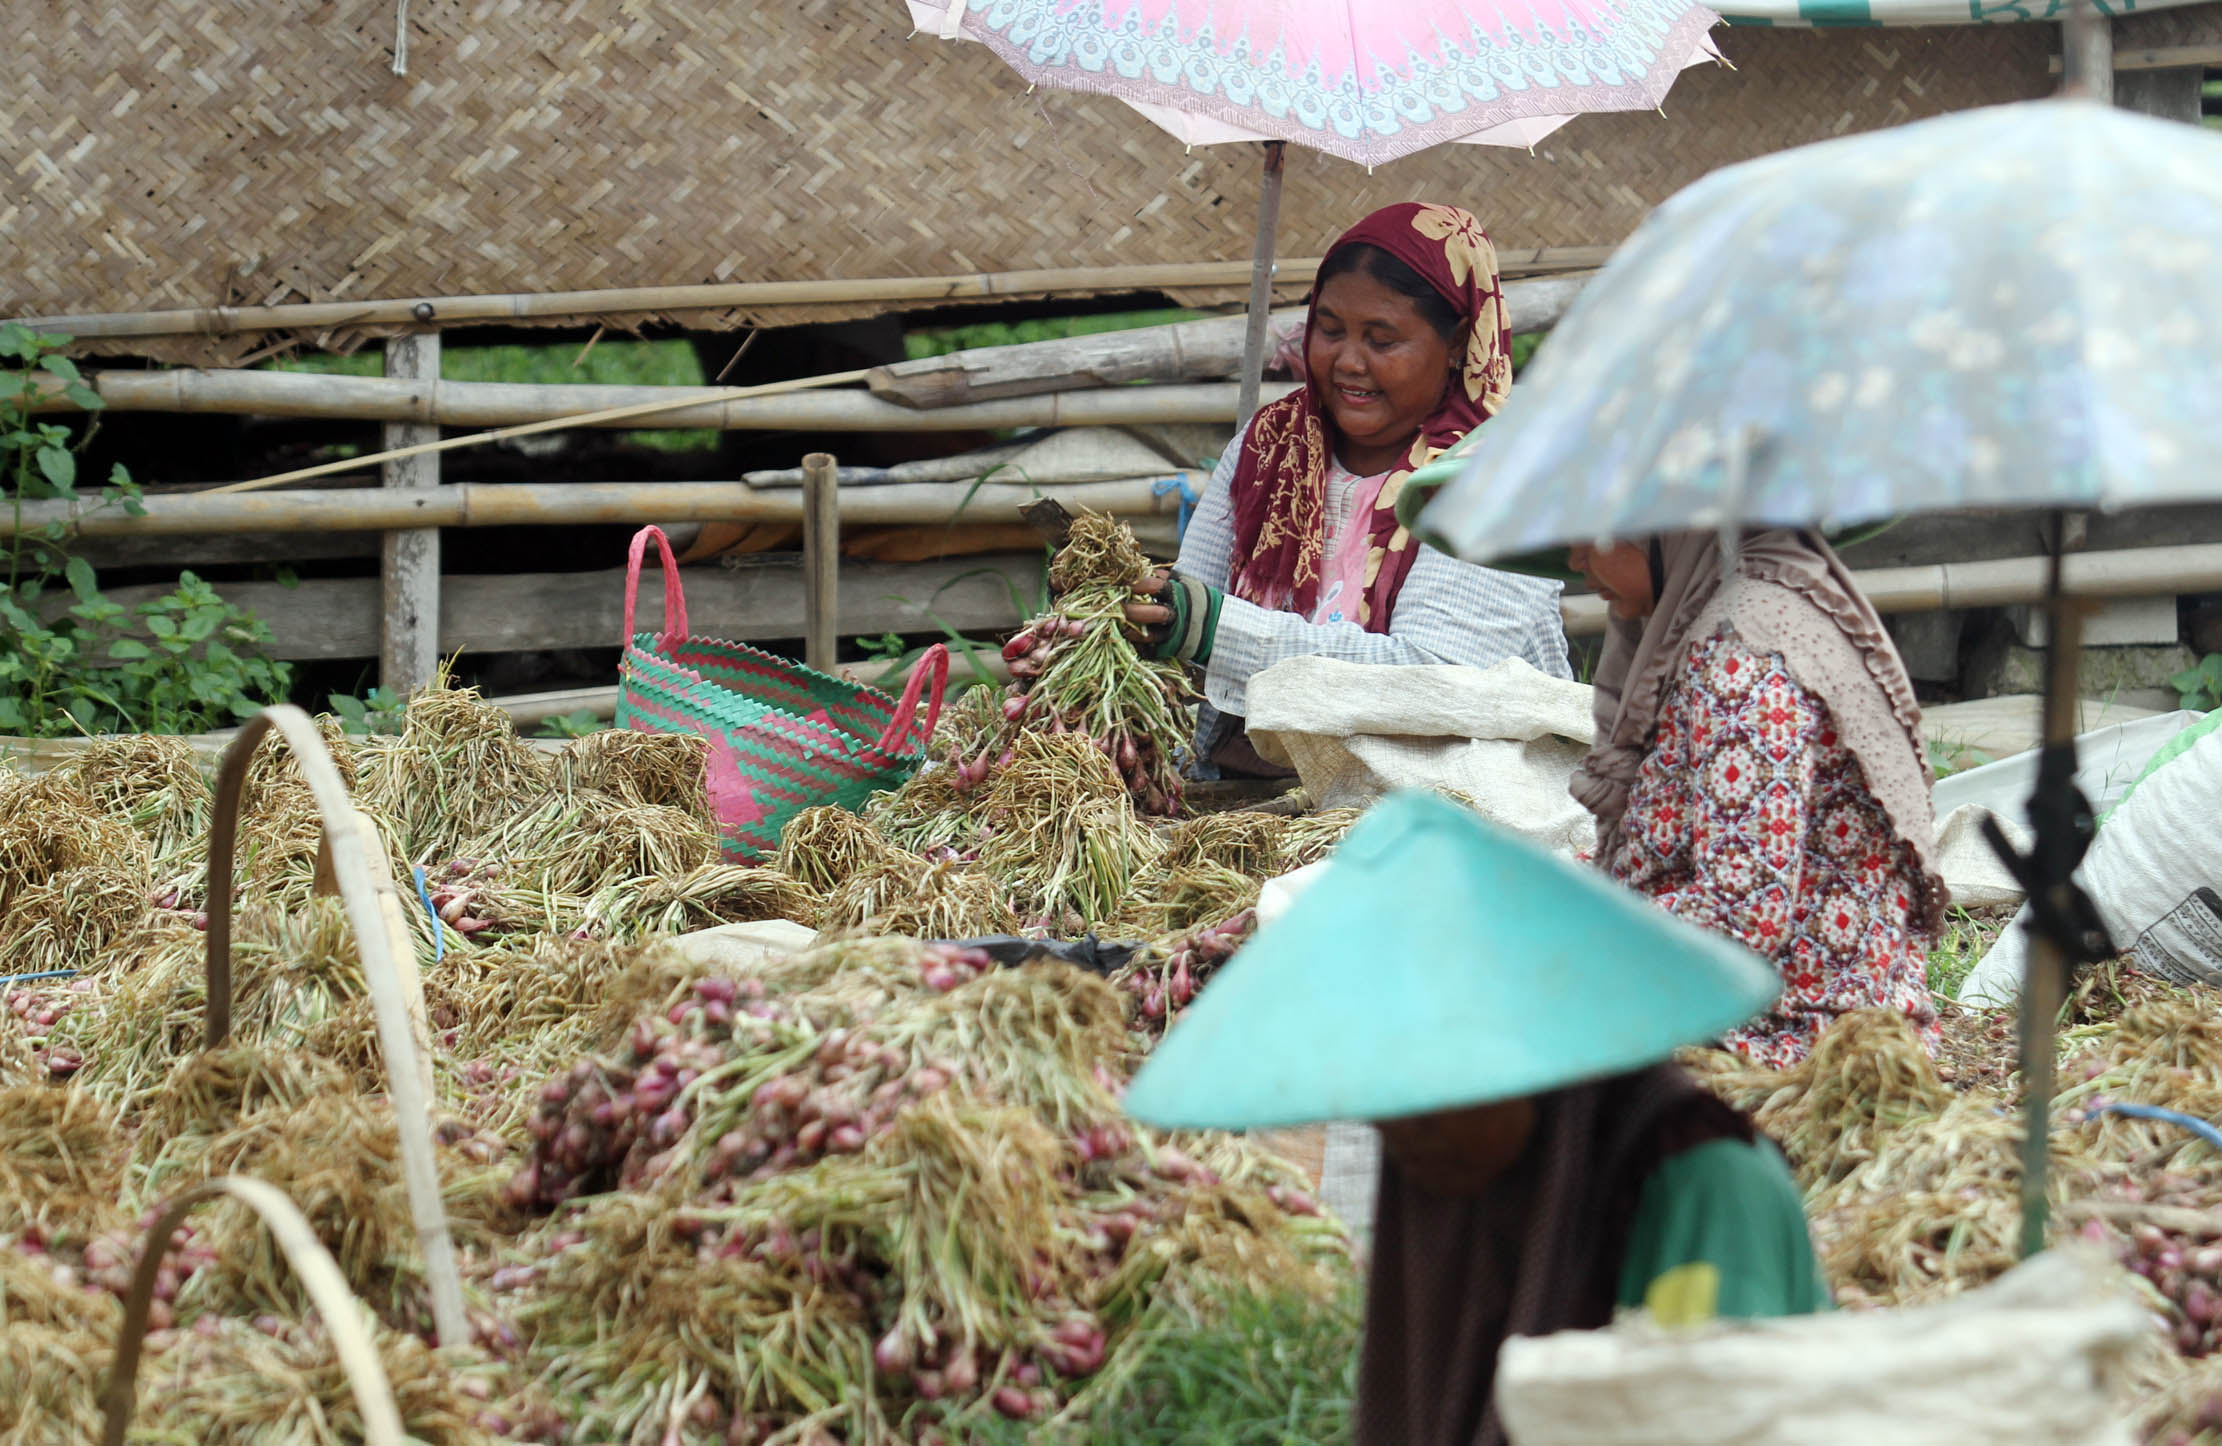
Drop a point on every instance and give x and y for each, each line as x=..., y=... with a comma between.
x=942, y=340
x=1250, y=1371
x=1967, y=938
x=608, y=363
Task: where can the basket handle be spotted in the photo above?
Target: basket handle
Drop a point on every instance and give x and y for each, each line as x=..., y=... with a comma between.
x=675, y=597
x=935, y=661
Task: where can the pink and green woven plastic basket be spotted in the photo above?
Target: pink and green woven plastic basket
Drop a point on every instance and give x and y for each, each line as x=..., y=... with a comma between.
x=782, y=737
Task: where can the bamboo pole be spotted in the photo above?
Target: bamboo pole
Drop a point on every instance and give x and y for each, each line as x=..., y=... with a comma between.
x=1180, y=351
x=548, y=408
x=2124, y=572
x=1261, y=286
x=751, y=295
x=540, y=504
x=821, y=561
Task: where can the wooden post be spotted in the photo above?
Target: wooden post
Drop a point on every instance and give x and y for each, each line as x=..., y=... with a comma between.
x=2087, y=52
x=409, y=562
x=1261, y=287
x=821, y=560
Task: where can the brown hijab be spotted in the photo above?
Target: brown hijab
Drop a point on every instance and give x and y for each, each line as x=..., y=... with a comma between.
x=1540, y=1252
x=1790, y=594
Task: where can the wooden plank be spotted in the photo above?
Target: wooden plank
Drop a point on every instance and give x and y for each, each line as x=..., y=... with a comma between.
x=762, y=598
x=2166, y=57
x=225, y=549
x=409, y=561
x=2170, y=94
x=821, y=560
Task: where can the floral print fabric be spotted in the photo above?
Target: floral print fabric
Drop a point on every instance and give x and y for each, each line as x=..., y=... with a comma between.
x=1749, y=817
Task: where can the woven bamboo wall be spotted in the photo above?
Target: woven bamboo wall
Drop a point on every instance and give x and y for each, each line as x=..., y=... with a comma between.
x=183, y=153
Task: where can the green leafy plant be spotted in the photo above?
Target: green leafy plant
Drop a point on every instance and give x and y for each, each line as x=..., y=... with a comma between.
x=2200, y=685
x=377, y=711
x=884, y=648
x=571, y=725
x=184, y=662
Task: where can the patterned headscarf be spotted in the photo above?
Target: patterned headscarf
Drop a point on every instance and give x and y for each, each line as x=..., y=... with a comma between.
x=1280, y=484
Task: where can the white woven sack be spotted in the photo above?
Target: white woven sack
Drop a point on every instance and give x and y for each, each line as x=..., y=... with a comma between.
x=2032, y=1359
x=2155, y=874
x=1506, y=737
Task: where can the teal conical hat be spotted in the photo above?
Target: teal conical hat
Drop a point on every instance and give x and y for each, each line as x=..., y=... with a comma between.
x=1439, y=962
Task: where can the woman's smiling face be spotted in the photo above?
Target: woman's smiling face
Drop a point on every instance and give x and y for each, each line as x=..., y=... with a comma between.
x=1380, y=366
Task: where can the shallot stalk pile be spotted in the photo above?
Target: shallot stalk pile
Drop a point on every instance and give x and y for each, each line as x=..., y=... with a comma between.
x=1075, y=669
x=1166, y=979
x=903, y=1189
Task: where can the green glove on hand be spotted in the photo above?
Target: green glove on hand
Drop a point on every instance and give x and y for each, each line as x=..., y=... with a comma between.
x=1195, y=608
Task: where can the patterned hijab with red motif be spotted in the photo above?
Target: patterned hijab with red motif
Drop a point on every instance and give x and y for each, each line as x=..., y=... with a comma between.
x=1280, y=484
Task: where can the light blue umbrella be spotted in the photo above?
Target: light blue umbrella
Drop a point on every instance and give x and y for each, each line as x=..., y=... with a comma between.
x=2014, y=306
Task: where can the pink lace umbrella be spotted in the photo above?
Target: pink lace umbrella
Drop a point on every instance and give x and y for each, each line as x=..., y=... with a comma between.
x=1367, y=80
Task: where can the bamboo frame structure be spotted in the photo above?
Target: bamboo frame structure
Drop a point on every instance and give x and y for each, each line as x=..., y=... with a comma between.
x=350, y=846
x=342, y=1312
x=751, y=295
x=546, y=408
x=535, y=504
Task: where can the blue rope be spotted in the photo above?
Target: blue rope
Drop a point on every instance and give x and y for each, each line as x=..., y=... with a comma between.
x=1188, y=499
x=7, y=979
x=2193, y=1123
x=439, y=938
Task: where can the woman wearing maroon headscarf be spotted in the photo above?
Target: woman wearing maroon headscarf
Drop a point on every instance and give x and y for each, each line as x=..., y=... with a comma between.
x=1295, y=547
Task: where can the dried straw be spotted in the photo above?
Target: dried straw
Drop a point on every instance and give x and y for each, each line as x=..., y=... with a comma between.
x=662, y=769
x=1065, y=838
x=61, y=1158
x=53, y=1375
x=703, y=899
x=912, y=898
x=153, y=784
x=457, y=769
x=289, y=1389
x=338, y=1157
x=823, y=846
x=1099, y=552
x=931, y=811
x=75, y=883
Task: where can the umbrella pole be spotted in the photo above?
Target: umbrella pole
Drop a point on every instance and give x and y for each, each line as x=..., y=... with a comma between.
x=2053, y=858
x=1261, y=286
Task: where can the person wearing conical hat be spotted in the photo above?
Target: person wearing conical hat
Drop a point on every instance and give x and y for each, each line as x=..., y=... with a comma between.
x=1295, y=548
x=1506, y=1019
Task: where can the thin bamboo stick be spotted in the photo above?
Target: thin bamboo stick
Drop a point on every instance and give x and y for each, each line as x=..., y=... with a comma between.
x=601, y=418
